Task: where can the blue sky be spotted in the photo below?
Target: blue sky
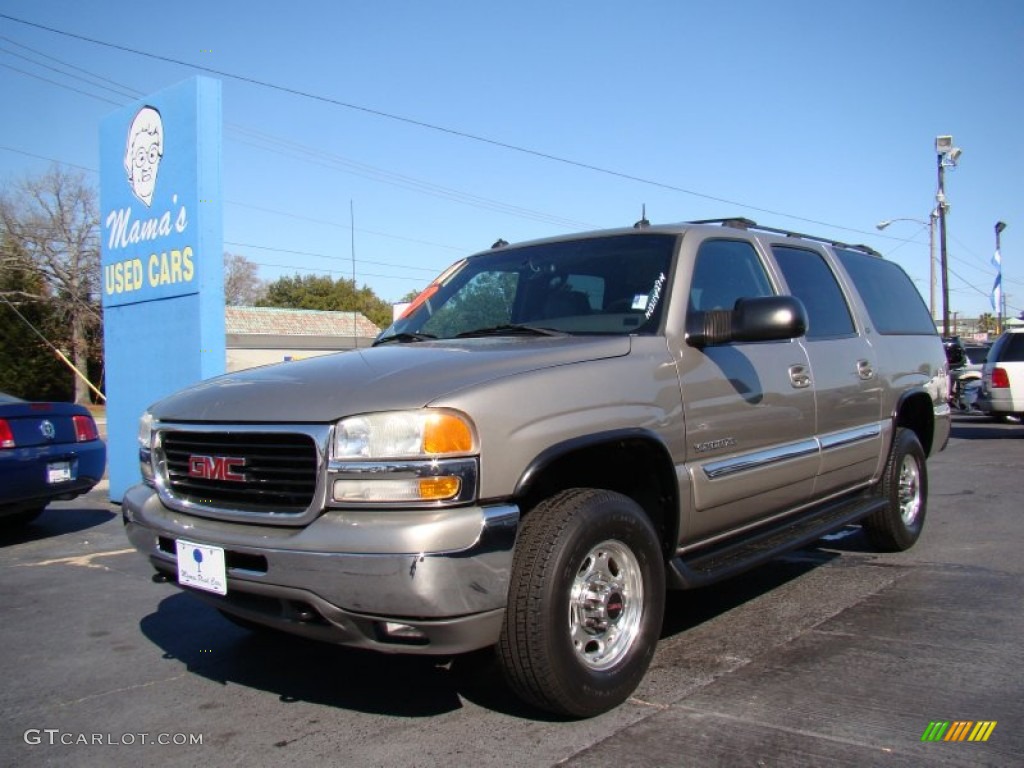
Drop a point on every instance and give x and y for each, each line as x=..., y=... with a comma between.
x=806, y=115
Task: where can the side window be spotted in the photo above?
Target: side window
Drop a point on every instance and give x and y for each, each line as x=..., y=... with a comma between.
x=1013, y=349
x=811, y=280
x=892, y=300
x=727, y=270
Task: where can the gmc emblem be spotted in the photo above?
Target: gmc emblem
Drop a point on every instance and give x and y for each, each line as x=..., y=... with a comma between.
x=216, y=468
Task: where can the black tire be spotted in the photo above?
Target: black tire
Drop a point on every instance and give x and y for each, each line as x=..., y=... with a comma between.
x=586, y=600
x=905, y=488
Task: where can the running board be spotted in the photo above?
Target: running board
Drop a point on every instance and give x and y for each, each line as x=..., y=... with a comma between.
x=733, y=556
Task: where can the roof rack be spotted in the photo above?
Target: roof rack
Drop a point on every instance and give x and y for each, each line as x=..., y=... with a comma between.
x=739, y=222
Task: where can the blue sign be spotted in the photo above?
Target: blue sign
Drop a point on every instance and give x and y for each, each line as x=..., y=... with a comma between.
x=162, y=257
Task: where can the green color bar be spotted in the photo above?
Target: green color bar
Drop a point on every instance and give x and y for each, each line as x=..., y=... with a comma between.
x=935, y=731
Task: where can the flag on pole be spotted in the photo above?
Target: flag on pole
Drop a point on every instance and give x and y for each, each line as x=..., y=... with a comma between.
x=997, y=286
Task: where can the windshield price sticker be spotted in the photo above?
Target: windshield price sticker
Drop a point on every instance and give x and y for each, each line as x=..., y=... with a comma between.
x=202, y=567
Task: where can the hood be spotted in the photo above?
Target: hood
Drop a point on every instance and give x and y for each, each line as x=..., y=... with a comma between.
x=393, y=376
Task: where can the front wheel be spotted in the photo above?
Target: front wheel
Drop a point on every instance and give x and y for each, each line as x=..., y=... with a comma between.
x=585, y=603
x=905, y=489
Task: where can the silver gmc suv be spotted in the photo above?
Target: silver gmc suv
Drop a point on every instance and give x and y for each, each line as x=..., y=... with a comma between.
x=552, y=435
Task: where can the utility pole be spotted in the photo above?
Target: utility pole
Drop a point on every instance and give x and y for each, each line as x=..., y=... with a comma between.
x=947, y=155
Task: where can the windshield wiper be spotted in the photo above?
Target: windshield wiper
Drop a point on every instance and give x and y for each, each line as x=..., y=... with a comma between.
x=510, y=330
x=404, y=337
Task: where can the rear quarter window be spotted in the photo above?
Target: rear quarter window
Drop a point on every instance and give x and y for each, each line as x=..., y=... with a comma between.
x=893, y=302
x=1012, y=349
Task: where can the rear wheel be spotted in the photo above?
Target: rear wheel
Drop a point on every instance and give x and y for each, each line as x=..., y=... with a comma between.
x=905, y=488
x=585, y=603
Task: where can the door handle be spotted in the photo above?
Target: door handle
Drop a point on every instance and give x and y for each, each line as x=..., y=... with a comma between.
x=799, y=376
x=864, y=369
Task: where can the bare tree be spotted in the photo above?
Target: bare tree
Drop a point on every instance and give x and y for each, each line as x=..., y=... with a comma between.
x=51, y=227
x=242, y=285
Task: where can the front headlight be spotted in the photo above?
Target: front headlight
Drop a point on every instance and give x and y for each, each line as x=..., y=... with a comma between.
x=427, y=433
x=417, y=457
x=146, y=447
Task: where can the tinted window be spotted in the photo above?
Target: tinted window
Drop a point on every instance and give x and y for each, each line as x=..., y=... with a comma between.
x=726, y=270
x=811, y=280
x=1011, y=350
x=893, y=302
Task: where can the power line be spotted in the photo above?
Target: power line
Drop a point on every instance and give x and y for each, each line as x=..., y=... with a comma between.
x=429, y=126
x=326, y=256
x=132, y=92
x=59, y=71
x=59, y=85
x=379, y=174
x=308, y=154
x=339, y=225
x=346, y=165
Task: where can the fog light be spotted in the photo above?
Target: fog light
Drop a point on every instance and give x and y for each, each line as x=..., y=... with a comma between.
x=402, y=633
x=412, y=489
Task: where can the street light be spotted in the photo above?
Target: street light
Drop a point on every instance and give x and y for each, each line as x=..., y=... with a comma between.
x=947, y=157
x=931, y=252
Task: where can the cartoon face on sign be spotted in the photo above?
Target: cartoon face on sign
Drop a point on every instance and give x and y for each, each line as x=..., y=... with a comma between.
x=142, y=153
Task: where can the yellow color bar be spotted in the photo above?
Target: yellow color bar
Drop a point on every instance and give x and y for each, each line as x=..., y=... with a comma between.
x=982, y=730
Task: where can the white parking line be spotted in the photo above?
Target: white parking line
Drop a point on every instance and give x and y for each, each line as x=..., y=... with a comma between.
x=85, y=561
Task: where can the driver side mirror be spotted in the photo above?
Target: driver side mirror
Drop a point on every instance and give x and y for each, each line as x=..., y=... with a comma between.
x=765, y=318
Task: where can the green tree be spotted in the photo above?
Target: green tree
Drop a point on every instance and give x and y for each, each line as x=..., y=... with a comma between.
x=28, y=367
x=326, y=294
x=986, y=322
x=50, y=226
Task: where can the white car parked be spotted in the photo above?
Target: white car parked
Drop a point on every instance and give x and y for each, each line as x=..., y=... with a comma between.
x=1002, y=392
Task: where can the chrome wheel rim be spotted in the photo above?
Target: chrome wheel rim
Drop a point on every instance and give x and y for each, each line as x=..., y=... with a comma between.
x=909, y=491
x=606, y=605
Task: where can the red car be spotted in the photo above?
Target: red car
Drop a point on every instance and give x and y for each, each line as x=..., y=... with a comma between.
x=48, y=451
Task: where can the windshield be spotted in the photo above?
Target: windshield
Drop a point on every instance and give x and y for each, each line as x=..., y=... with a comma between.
x=606, y=285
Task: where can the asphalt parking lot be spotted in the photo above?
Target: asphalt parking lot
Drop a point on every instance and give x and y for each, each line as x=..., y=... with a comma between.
x=833, y=656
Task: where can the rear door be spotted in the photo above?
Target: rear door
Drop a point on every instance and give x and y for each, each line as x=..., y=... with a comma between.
x=843, y=368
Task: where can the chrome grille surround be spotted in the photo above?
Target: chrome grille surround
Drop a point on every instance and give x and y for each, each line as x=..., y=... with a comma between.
x=283, y=469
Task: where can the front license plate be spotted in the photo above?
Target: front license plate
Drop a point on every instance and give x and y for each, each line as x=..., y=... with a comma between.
x=59, y=472
x=202, y=566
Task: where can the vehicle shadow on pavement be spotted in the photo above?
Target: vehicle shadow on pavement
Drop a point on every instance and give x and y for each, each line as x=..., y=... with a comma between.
x=55, y=522
x=982, y=428
x=687, y=609
x=295, y=669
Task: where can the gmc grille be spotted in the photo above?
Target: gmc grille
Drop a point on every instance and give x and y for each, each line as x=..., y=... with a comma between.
x=279, y=470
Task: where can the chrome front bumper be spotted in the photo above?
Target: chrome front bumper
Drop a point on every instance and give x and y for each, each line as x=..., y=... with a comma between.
x=425, y=581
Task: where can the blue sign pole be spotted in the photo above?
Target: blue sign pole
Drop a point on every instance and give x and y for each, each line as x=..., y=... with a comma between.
x=162, y=257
